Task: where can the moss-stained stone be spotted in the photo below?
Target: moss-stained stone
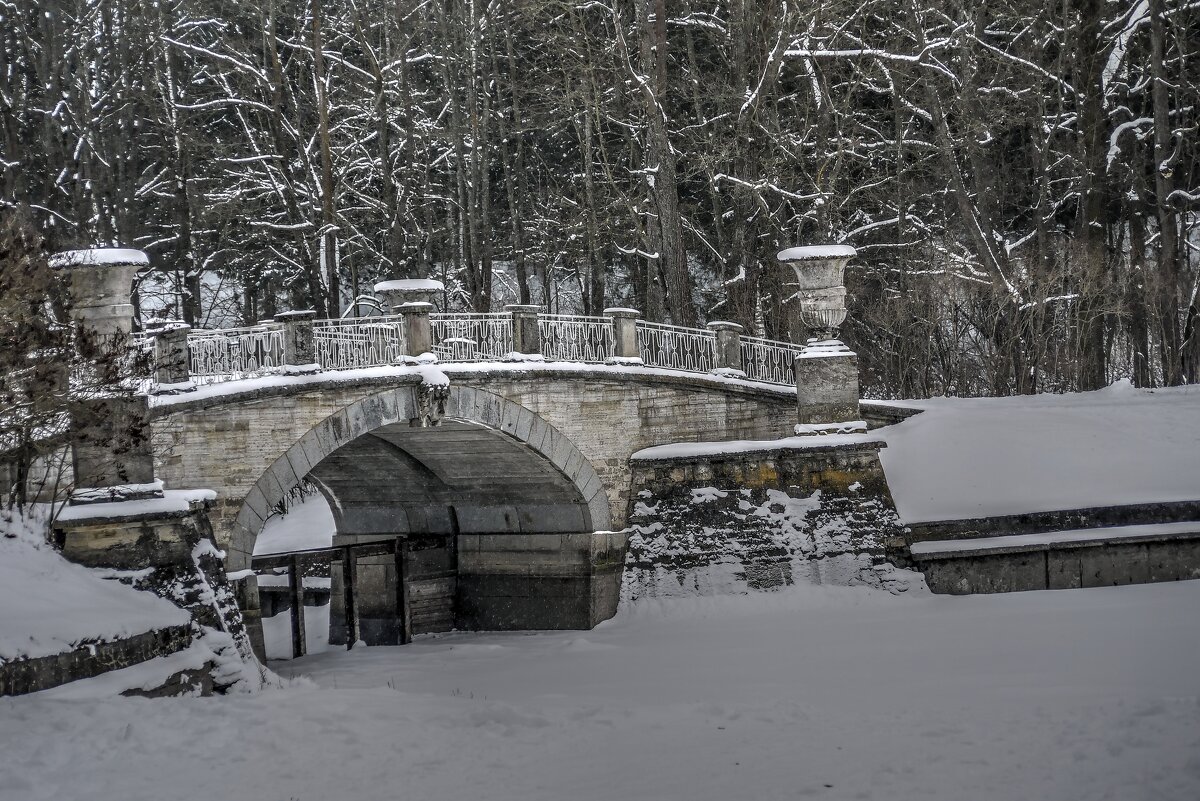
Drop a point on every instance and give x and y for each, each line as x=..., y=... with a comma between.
x=760, y=520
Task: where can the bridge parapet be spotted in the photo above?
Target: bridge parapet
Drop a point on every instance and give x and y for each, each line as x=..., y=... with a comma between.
x=517, y=334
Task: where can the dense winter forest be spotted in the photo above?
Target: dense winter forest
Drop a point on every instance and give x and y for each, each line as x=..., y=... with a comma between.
x=1019, y=178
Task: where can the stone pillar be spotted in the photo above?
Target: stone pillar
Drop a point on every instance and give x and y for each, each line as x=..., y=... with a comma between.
x=172, y=360
x=827, y=389
x=625, y=346
x=729, y=347
x=110, y=432
x=299, y=344
x=111, y=455
x=394, y=294
x=418, y=334
x=527, y=338
x=826, y=370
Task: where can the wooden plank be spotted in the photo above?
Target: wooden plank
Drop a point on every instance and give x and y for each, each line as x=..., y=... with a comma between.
x=403, y=606
x=296, y=589
x=349, y=578
x=316, y=555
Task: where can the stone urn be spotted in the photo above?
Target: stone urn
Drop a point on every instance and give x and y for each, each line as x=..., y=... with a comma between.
x=820, y=288
x=101, y=280
x=394, y=294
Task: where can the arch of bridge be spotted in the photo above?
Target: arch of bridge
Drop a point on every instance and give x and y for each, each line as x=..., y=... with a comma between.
x=253, y=446
x=481, y=427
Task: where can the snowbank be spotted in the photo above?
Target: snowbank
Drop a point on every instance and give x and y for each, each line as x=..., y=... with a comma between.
x=978, y=457
x=49, y=605
x=415, y=284
x=817, y=252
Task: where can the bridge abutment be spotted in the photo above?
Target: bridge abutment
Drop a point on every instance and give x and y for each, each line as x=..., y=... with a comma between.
x=118, y=515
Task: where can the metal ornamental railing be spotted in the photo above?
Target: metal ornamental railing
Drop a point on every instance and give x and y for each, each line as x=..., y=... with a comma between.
x=236, y=353
x=471, y=337
x=768, y=361
x=359, y=342
x=690, y=349
x=575, y=338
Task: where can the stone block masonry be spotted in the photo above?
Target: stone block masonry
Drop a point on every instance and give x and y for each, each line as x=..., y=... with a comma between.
x=721, y=522
x=230, y=444
x=169, y=551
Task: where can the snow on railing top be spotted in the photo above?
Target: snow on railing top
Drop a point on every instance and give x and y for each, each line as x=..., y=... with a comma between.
x=341, y=344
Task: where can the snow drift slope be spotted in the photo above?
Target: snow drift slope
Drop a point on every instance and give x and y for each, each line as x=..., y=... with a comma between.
x=48, y=605
x=978, y=457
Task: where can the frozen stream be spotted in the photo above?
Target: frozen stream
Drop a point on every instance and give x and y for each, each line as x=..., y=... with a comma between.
x=822, y=692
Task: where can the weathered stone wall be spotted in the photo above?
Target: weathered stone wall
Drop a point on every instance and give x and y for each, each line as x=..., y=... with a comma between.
x=759, y=520
x=172, y=554
x=22, y=676
x=230, y=443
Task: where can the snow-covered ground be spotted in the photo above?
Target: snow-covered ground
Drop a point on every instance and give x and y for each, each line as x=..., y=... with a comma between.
x=977, y=457
x=49, y=605
x=307, y=524
x=277, y=632
x=811, y=692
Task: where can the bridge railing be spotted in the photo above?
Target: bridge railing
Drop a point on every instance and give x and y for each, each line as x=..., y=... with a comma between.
x=619, y=337
x=359, y=342
x=235, y=353
x=576, y=338
x=693, y=350
x=471, y=337
x=768, y=360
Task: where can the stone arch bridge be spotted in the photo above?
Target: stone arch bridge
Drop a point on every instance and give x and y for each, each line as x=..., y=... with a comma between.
x=515, y=476
x=499, y=445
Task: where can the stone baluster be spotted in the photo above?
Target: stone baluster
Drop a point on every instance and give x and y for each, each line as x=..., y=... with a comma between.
x=625, y=344
x=527, y=337
x=729, y=348
x=299, y=342
x=172, y=359
x=418, y=333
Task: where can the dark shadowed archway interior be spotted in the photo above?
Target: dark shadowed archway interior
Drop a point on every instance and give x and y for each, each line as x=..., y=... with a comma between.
x=501, y=538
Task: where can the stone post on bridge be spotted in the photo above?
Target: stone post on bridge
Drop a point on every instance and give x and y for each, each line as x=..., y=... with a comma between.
x=527, y=338
x=728, y=354
x=826, y=370
x=418, y=333
x=625, y=345
x=299, y=342
x=172, y=360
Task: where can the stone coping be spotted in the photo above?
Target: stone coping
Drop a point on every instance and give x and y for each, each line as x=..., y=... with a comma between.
x=758, y=449
x=89, y=659
x=226, y=392
x=1053, y=541
x=173, y=504
x=1054, y=520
